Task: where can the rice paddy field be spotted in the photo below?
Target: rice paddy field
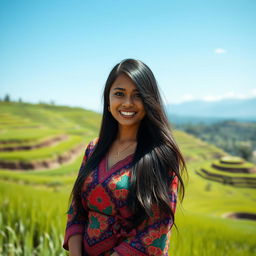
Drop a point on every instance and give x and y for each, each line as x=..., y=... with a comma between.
x=41, y=148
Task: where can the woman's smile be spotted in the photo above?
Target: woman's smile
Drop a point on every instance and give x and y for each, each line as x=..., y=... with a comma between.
x=127, y=114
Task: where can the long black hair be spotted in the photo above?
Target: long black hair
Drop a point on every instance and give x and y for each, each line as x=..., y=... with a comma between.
x=157, y=155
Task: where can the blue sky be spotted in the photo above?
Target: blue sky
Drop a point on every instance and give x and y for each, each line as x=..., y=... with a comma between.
x=64, y=50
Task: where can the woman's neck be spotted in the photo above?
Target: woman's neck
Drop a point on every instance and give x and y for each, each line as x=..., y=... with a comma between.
x=126, y=133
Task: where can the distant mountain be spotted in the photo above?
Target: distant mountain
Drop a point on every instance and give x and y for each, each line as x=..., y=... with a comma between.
x=205, y=111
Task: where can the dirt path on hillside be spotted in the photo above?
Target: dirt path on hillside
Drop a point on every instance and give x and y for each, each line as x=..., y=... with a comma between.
x=240, y=215
x=50, y=142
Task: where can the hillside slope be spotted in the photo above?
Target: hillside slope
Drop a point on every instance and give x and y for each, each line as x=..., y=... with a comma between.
x=43, y=136
x=205, y=203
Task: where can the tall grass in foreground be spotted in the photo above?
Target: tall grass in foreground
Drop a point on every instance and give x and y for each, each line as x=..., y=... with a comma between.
x=32, y=223
x=204, y=236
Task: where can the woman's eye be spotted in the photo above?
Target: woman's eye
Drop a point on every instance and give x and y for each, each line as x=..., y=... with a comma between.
x=119, y=94
x=138, y=95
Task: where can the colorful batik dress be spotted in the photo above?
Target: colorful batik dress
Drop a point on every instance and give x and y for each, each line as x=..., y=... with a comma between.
x=105, y=225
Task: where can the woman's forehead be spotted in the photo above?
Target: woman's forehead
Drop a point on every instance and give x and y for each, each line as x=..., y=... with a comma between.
x=124, y=83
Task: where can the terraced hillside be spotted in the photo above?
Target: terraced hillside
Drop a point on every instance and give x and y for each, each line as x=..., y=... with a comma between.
x=44, y=144
x=232, y=171
x=42, y=136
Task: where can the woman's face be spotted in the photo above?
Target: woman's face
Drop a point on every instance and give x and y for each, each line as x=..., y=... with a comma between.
x=125, y=103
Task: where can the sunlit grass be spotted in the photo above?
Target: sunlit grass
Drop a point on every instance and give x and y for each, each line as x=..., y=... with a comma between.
x=203, y=235
x=32, y=220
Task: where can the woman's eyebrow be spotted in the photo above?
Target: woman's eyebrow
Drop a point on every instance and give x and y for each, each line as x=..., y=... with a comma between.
x=119, y=88
x=123, y=89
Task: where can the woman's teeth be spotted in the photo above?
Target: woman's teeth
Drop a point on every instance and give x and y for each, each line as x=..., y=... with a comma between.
x=127, y=113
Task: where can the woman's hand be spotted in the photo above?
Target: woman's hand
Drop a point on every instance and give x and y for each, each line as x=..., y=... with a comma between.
x=114, y=254
x=75, y=245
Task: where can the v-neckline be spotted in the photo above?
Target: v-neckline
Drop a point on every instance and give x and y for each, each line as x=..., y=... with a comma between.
x=105, y=172
x=113, y=166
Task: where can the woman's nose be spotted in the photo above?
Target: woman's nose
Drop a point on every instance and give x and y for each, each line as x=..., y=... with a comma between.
x=128, y=101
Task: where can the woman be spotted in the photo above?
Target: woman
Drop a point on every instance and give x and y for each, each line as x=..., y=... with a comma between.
x=124, y=198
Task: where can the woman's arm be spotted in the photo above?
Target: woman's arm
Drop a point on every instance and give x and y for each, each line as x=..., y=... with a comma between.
x=75, y=245
x=76, y=223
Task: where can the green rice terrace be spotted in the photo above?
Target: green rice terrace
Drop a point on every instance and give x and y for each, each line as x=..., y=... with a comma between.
x=41, y=149
x=229, y=170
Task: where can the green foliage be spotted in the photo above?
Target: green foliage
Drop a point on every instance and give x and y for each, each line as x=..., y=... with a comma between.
x=204, y=235
x=31, y=221
x=236, y=138
x=244, y=149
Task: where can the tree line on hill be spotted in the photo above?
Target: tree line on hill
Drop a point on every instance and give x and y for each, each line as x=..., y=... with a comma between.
x=7, y=98
x=236, y=138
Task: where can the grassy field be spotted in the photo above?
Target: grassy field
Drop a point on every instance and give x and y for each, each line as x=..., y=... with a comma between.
x=34, y=202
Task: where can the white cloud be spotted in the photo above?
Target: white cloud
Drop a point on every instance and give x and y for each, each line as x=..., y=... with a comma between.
x=211, y=98
x=227, y=95
x=220, y=51
x=253, y=92
x=187, y=97
x=183, y=98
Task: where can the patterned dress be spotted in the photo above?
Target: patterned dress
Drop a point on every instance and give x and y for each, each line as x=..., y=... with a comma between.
x=106, y=222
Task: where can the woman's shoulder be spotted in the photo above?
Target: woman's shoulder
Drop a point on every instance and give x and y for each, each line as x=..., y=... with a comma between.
x=93, y=142
x=91, y=145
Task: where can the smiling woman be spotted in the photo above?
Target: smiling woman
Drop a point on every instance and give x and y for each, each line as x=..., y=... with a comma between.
x=125, y=195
